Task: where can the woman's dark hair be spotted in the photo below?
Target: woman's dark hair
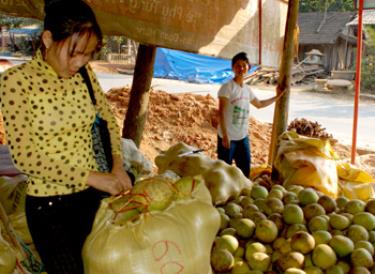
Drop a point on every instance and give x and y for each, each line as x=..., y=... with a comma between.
x=65, y=18
x=240, y=56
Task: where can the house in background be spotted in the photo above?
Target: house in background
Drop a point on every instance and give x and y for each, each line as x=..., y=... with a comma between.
x=329, y=33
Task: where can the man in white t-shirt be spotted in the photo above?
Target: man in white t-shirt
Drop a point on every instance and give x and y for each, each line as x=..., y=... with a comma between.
x=234, y=108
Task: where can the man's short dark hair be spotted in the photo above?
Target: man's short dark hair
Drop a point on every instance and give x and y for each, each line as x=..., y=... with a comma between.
x=240, y=56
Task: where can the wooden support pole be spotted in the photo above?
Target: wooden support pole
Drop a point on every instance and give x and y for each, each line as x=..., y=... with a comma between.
x=280, y=117
x=136, y=115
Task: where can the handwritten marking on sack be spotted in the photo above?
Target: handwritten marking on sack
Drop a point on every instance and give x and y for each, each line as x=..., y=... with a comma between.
x=161, y=250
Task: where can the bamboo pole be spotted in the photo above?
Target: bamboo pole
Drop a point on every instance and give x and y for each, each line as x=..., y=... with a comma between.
x=136, y=115
x=280, y=118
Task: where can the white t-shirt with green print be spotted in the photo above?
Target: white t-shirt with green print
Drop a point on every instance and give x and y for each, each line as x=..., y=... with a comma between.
x=238, y=109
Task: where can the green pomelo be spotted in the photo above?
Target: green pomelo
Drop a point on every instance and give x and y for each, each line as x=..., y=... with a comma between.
x=365, y=219
x=372, y=236
x=240, y=267
x=290, y=260
x=254, y=247
x=338, y=221
x=274, y=205
x=228, y=231
x=344, y=265
x=232, y=209
x=361, y=257
x=313, y=270
x=227, y=242
x=335, y=232
x=224, y=220
x=276, y=193
x=335, y=269
x=294, y=270
x=327, y=203
x=221, y=260
x=360, y=270
x=341, y=202
x=279, y=187
x=357, y=233
x=318, y=223
x=321, y=237
x=240, y=252
x=308, y=260
x=256, y=216
x=366, y=245
x=355, y=206
x=370, y=206
x=302, y=242
x=249, y=209
x=259, y=261
x=266, y=231
x=277, y=218
x=342, y=245
x=220, y=210
x=307, y=196
x=294, y=188
x=291, y=229
x=261, y=204
x=246, y=202
x=293, y=214
x=279, y=242
x=324, y=256
x=313, y=209
x=244, y=227
x=290, y=198
x=258, y=191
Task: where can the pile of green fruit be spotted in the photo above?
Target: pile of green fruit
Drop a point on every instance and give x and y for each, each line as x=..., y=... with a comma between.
x=294, y=230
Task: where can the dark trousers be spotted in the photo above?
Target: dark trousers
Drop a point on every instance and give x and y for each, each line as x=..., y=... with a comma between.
x=59, y=226
x=239, y=151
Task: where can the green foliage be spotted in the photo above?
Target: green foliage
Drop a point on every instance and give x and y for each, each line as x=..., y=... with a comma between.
x=368, y=62
x=367, y=76
x=320, y=5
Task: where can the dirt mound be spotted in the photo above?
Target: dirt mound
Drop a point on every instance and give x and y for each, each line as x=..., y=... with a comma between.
x=187, y=118
x=184, y=118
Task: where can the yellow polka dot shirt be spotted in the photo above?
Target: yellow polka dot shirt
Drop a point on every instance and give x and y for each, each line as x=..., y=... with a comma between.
x=48, y=122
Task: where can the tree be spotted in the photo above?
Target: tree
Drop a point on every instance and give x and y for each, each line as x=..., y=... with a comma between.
x=320, y=5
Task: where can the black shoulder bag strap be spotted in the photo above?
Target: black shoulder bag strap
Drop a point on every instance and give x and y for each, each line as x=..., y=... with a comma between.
x=100, y=123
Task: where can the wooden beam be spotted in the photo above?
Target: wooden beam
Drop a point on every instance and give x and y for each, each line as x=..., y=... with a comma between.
x=136, y=114
x=280, y=118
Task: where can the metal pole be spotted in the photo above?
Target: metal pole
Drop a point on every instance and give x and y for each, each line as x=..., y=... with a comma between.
x=260, y=13
x=357, y=81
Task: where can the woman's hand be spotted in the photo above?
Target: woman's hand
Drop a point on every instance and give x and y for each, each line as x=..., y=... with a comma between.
x=120, y=173
x=107, y=182
x=123, y=178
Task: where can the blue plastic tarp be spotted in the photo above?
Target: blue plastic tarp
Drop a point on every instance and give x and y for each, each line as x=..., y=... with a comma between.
x=191, y=67
x=25, y=31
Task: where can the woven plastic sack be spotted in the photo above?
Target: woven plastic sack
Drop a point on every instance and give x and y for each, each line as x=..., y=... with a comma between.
x=355, y=183
x=13, y=192
x=308, y=162
x=225, y=182
x=7, y=257
x=175, y=240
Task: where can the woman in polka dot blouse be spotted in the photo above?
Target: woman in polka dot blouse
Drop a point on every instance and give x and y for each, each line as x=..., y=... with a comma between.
x=48, y=118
